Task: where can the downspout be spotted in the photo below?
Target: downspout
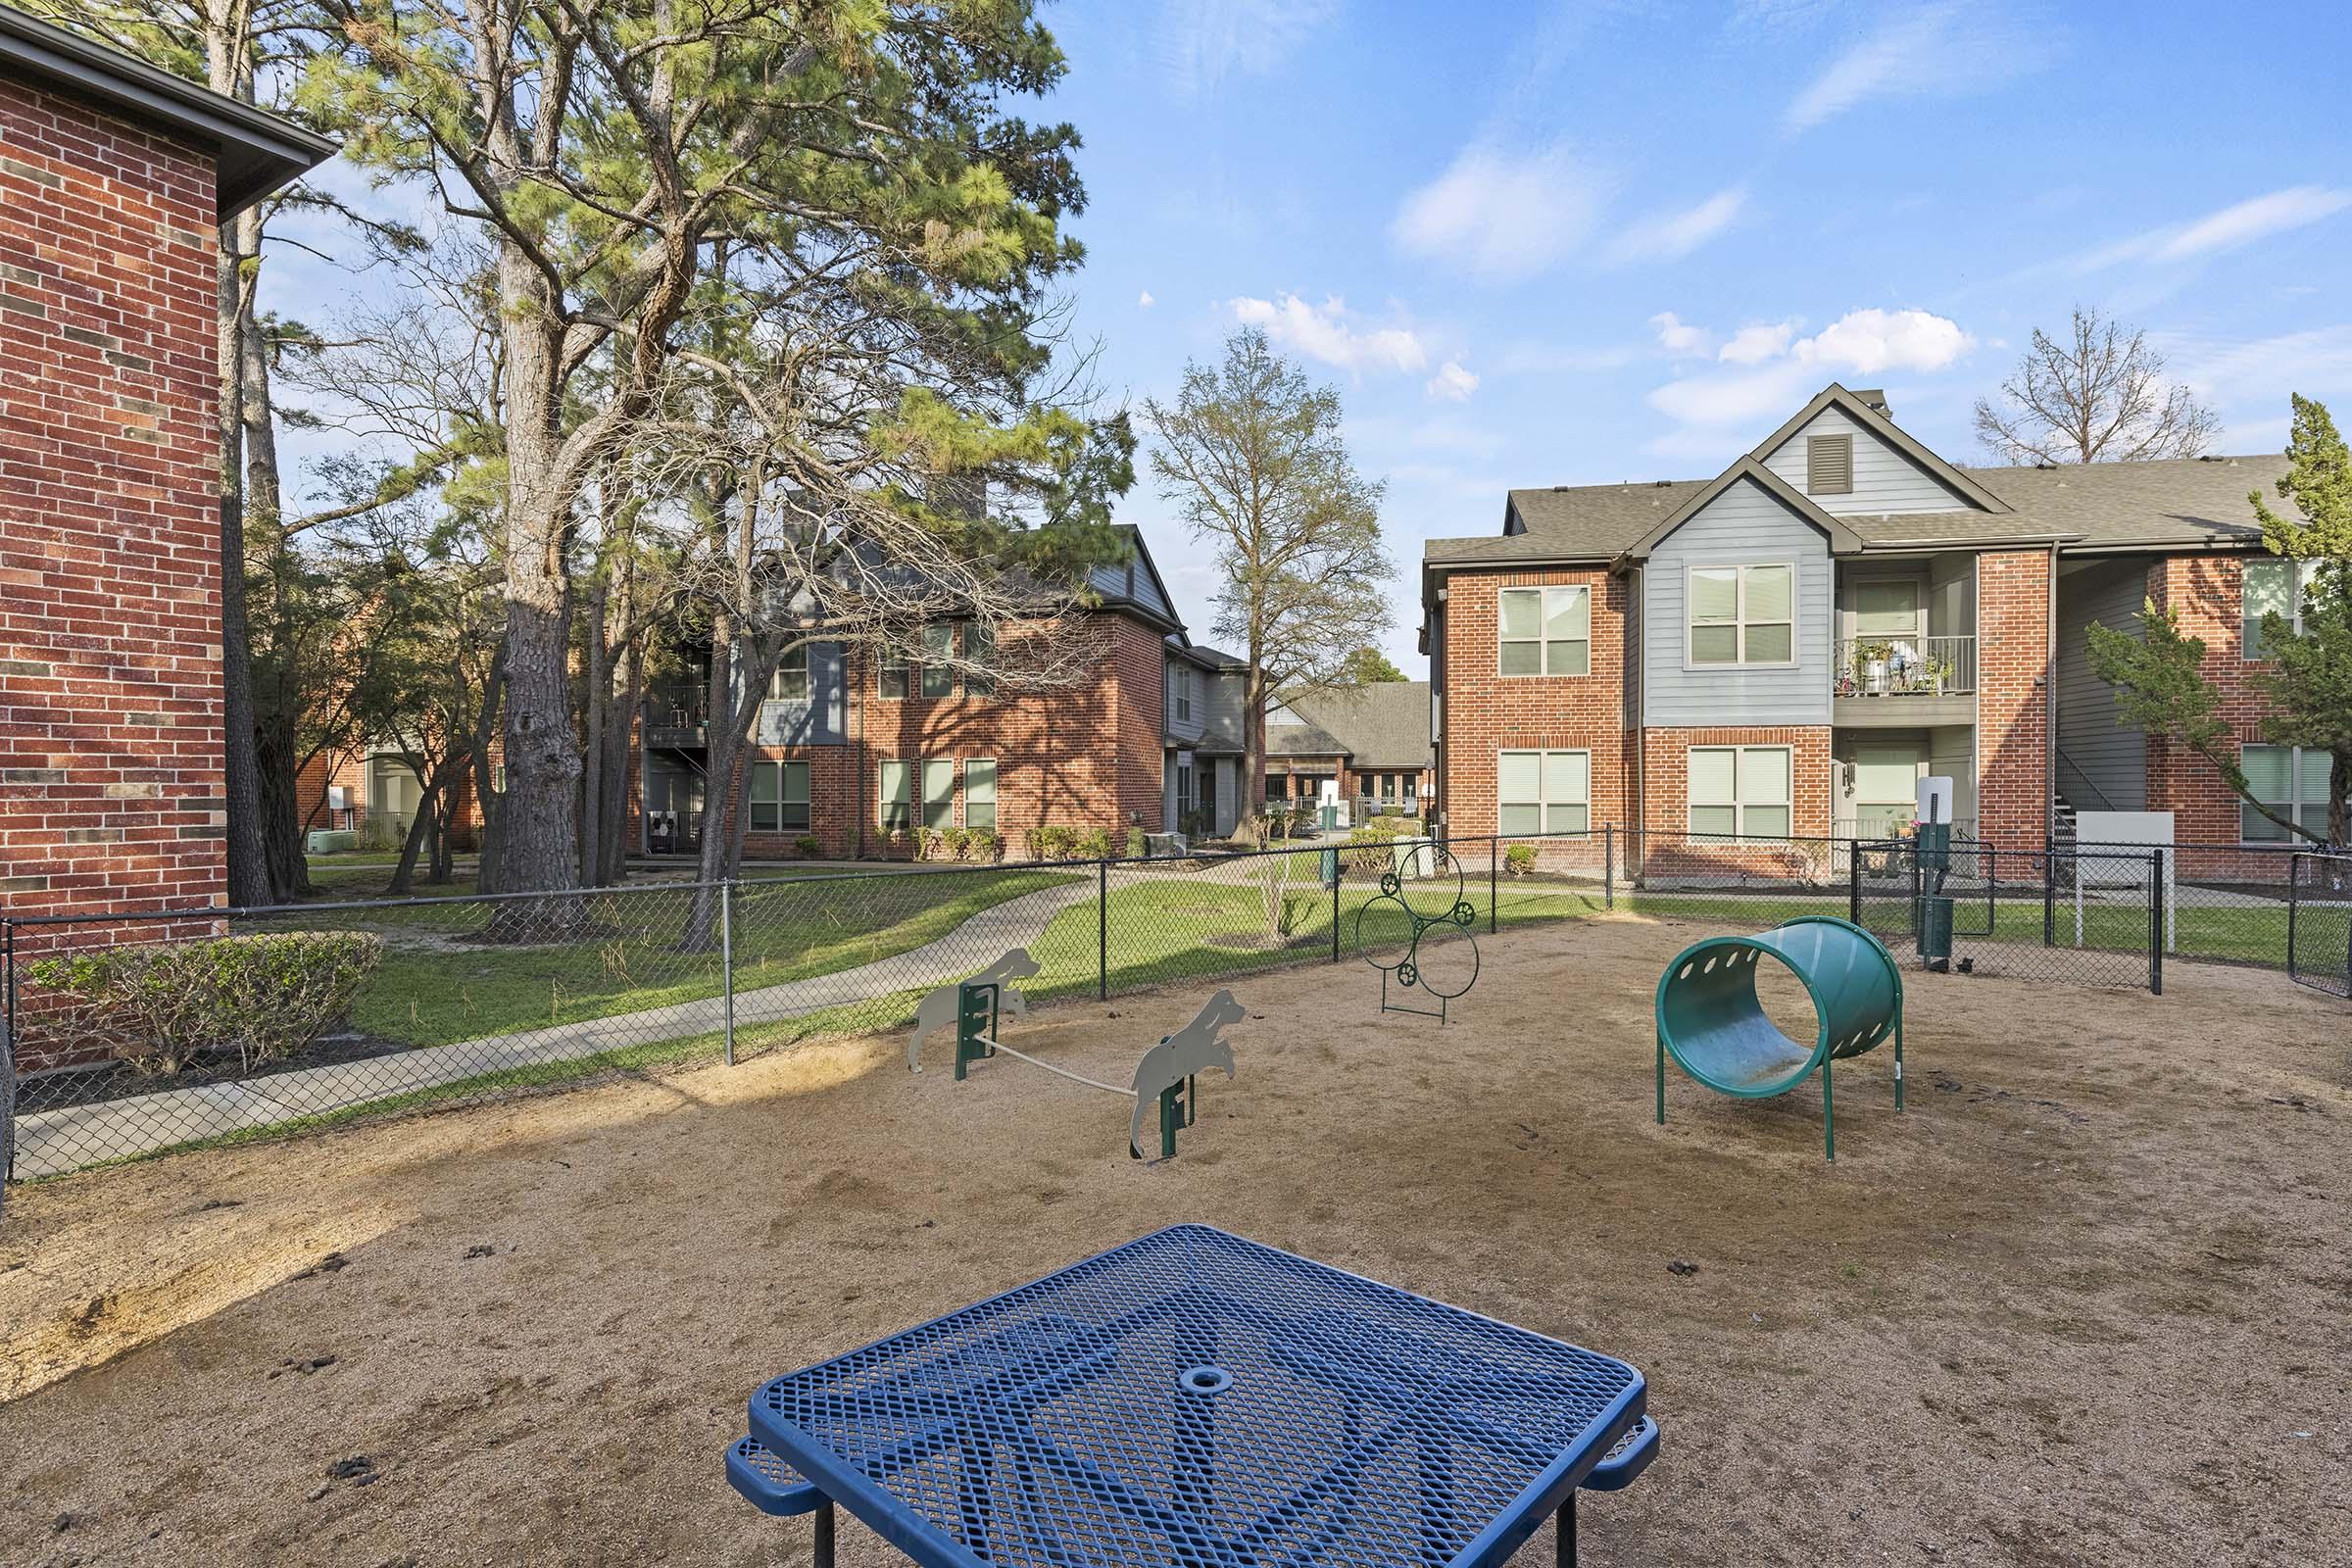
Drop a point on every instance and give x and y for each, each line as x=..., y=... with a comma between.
x=1636, y=618
x=2049, y=712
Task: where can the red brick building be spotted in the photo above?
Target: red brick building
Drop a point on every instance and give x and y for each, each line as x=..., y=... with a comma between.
x=1368, y=746
x=851, y=754
x=114, y=177
x=1786, y=649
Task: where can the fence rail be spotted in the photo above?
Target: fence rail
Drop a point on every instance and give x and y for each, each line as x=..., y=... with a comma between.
x=130, y=1034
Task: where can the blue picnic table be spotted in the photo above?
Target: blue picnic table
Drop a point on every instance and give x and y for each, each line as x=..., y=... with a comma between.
x=1196, y=1400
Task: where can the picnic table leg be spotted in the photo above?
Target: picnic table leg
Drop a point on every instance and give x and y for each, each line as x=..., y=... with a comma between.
x=824, y=1534
x=1566, y=1549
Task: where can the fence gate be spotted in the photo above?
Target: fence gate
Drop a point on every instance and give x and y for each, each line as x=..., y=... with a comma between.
x=2079, y=917
x=2319, y=921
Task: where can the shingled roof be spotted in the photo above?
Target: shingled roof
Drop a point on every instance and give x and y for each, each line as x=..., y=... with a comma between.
x=2178, y=504
x=1381, y=725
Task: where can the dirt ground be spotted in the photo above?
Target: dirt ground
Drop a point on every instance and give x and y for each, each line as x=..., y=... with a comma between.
x=2090, y=1300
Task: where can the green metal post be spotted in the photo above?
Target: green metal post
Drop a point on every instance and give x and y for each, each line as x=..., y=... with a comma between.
x=1335, y=907
x=1608, y=865
x=1898, y=1058
x=2155, y=922
x=1828, y=1116
x=1170, y=1110
x=1103, y=930
x=1661, y=1079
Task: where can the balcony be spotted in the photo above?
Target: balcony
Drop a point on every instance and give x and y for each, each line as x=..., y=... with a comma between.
x=675, y=715
x=1905, y=682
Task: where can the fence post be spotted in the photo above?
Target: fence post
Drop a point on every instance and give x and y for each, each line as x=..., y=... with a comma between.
x=1102, y=929
x=1853, y=880
x=727, y=958
x=1608, y=865
x=2049, y=892
x=1493, y=860
x=1338, y=868
x=2155, y=920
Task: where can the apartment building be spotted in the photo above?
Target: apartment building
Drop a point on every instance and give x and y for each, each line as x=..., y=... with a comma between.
x=1789, y=647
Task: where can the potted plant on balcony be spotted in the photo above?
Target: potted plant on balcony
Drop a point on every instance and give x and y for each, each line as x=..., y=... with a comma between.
x=1871, y=659
x=1939, y=672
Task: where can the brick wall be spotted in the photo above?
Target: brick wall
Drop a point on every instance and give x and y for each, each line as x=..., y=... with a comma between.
x=2207, y=593
x=1487, y=713
x=109, y=654
x=2013, y=696
x=1086, y=756
x=1666, y=773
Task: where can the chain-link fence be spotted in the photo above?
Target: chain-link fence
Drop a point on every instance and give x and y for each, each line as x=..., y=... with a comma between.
x=137, y=1034
x=2319, y=921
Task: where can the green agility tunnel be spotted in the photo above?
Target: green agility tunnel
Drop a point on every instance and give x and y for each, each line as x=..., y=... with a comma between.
x=1712, y=1023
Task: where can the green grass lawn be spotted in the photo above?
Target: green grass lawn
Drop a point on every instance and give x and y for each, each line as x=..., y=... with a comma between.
x=431, y=992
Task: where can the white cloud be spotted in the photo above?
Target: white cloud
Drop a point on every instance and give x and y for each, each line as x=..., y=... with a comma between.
x=1671, y=235
x=1453, y=383
x=1503, y=215
x=1678, y=338
x=1198, y=43
x=2262, y=373
x=2260, y=217
x=1755, y=344
x=1143, y=300
x=1772, y=379
x=1939, y=51
x=1329, y=332
x=1874, y=340
x=1530, y=358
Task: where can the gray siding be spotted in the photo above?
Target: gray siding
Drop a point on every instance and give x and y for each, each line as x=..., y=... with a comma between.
x=1184, y=730
x=821, y=719
x=1132, y=579
x=2113, y=759
x=1217, y=700
x=1884, y=480
x=1742, y=526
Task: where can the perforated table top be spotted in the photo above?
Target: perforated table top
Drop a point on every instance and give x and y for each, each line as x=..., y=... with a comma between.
x=1196, y=1400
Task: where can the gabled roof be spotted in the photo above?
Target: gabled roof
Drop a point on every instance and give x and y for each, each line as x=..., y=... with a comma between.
x=1874, y=419
x=1844, y=541
x=255, y=152
x=1380, y=724
x=1111, y=586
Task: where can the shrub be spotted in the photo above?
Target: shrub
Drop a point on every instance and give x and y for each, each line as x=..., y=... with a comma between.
x=1093, y=845
x=806, y=844
x=1370, y=851
x=1136, y=844
x=953, y=841
x=1050, y=843
x=267, y=996
x=1520, y=859
x=981, y=844
x=924, y=839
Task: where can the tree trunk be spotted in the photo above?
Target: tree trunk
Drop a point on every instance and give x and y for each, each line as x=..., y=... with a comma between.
x=278, y=766
x=491, y=803
x=420, y=827
x=2340, y=787
x=598, y=699
x=539, y=839
x=619, y=737
x=1254, y=737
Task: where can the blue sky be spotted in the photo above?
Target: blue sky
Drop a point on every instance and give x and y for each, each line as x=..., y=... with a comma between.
x=1581, y=243
x=1574, y=243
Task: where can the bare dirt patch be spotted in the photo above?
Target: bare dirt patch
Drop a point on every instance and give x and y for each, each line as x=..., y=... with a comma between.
x=2087, y=1302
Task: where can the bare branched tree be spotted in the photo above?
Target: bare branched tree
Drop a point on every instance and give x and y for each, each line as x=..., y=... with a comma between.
x=1250, y=454
x=2100, y=396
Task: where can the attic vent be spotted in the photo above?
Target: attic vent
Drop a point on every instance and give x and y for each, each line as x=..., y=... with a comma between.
x=2208, y=457
x=1661, y=483
x=1829, y=465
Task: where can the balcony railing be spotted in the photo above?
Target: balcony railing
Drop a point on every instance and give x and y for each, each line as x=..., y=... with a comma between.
x=1906, y=667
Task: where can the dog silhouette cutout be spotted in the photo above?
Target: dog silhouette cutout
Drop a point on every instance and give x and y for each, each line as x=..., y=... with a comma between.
x=1194, y=1048
x=937, y=1009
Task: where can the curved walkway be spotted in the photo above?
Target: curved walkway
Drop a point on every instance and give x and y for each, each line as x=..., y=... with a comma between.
x=52, y=1143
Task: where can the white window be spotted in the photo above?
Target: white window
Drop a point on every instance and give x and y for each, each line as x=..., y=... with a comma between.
x=2292, y=780
x=939, y=677
x=890, y=679
x=1181, y=684
x=1888, y=608
x=1741, y=790
x=1743, y=614
x=779, y=797
x=1542, y=792
x=791, y=683
x=2273, y=585
x=895, y=798
x=980, y=791
x=939, y=793
x=1546, y=631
